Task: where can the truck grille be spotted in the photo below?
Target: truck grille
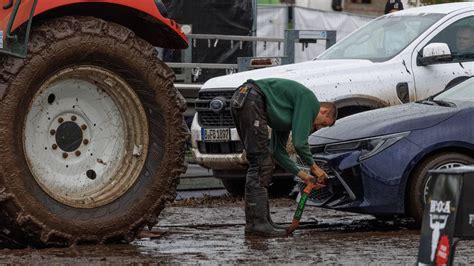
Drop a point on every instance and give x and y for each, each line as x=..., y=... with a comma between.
x=209, y=118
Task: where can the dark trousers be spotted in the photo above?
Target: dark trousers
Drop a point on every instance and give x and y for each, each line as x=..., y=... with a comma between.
x=251, y=121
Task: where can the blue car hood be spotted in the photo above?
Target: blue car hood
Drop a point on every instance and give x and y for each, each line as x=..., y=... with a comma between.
x=383, y=121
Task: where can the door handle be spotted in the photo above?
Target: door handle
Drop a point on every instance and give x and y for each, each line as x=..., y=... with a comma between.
x=403, y=92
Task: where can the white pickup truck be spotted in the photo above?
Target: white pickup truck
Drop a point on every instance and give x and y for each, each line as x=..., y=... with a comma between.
x=397, y=58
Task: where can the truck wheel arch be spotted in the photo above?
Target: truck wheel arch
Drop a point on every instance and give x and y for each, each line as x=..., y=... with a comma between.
x=159, y=32
x=352, y=105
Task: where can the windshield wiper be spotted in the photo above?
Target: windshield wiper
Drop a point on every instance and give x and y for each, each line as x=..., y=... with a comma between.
x=438, y=102
x=444, y=103
x=428, y=102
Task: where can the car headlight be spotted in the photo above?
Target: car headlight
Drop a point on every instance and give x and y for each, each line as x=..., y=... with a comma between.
x=368, y=147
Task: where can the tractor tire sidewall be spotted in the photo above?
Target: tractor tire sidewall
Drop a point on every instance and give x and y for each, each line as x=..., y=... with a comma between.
x=420, y=177
x=71, y=41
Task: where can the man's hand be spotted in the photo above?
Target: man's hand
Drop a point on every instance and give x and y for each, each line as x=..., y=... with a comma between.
x=319, y=173
x=310, y=179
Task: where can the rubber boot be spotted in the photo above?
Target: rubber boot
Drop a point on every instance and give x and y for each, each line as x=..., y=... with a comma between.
x=269, y=218
x=256, y=215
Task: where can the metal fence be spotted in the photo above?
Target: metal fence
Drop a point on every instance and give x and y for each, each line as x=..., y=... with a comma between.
x=189, y=72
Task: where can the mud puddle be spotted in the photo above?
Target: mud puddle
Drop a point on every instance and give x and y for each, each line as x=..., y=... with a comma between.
x=210, y=231
x=213, y=233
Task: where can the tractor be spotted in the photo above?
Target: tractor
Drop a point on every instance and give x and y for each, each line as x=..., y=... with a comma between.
x=92, y=135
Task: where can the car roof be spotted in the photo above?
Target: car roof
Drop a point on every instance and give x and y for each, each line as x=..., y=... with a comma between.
x=438, y=9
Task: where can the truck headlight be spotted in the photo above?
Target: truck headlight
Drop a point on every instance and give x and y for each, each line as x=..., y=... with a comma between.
x=368, y=147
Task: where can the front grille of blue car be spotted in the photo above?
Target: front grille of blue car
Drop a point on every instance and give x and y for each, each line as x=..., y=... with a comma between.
x=323, y=195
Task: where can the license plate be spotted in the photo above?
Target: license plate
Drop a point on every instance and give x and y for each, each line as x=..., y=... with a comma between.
x=215, y=134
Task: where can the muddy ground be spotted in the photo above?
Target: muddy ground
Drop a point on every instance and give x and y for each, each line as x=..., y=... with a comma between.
x=210, y=231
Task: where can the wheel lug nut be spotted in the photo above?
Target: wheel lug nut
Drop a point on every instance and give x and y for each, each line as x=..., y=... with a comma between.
x=55, y=146
x=60, y=120
x=78, y=153
x=86, y=141
x=73, y=118
x=52, y=131
x=65, y=155
x=83, y=127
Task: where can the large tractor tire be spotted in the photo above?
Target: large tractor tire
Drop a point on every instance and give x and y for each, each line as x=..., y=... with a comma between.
x=91, y=135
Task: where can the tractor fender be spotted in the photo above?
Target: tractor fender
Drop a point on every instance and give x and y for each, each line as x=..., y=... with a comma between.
x=143, y=17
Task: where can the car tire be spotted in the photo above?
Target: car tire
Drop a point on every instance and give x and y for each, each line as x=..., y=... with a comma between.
x=44, y=201
x=419, y=180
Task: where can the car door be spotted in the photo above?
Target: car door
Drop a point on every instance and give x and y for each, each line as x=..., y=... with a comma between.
x=433, y=78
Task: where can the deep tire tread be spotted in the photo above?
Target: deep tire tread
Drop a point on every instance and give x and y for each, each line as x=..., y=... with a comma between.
x=27, y=229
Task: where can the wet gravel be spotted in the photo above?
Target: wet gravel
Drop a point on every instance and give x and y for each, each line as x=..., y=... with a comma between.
x=210, y=231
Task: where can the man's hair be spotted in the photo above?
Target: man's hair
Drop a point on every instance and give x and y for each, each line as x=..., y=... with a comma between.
x=332, y=110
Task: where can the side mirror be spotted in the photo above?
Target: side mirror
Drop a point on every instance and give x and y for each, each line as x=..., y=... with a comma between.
x=435, y=53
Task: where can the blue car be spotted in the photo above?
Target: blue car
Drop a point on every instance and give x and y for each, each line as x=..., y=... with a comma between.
x=377, y=161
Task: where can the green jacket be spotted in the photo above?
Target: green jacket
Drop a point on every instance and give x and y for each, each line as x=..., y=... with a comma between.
x=290, y=107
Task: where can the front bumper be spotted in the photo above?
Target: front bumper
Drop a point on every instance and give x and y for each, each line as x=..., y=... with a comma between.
x=337, y=191
x=374, y=186
x=229, y=156
x=220, y=161
x=225, y=164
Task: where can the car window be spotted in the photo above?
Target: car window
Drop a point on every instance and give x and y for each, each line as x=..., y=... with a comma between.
x=382, y=38
x=459, y=36
x=462, y=92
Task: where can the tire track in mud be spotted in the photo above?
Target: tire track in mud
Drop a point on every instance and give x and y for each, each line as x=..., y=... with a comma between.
x=211, y=231
x=215, y=233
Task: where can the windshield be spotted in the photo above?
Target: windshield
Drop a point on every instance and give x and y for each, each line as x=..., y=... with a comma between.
x=382, y=38
x=461, y=92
